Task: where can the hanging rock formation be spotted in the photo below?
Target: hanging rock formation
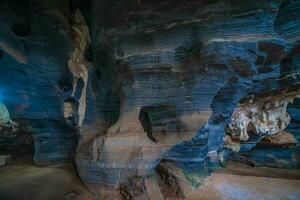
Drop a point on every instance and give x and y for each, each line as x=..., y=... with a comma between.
x=267, y=116
x=78, y=65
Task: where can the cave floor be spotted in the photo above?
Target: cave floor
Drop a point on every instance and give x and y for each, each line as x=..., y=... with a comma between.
x=242, y=182
x=24, y=181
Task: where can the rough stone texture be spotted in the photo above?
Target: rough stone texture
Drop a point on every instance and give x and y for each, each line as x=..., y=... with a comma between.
x=174, y=75
x=268, y=116
x=274, y=156
x=34, y=92
x=166, y=77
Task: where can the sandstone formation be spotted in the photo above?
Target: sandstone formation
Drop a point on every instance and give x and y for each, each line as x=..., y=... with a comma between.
x=77, y=64
x=34, y=91
x=169, y=89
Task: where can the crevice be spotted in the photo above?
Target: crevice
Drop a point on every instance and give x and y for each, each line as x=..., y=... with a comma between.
x=146, y=123
x=168, y=183
x=65, y=84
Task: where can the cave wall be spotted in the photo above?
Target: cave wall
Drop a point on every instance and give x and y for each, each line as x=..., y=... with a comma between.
x=164, y=80
x=35, y=88
x=286, y=26
x=187, y=68
x=273, y=156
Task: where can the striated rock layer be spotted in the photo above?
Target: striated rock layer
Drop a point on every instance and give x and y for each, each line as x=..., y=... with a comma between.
x=177, y=79
x=34, y=91
x=160, y=82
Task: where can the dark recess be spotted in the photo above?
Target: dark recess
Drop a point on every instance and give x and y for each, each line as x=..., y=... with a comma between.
x=21, y=29
x=146, y=123
x=1, y=54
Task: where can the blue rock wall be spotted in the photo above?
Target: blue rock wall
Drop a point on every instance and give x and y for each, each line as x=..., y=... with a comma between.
x=164, y=79
x=34, y=91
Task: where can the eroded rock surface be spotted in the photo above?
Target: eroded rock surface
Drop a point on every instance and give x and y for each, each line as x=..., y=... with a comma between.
x=178, y=81
x=165, y=79
x=268, y=116
x=34, y=76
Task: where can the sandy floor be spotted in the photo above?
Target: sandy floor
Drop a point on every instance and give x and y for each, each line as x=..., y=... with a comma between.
x=28, y=182
x=241, y=182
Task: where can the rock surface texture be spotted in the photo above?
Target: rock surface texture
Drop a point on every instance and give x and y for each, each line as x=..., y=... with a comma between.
x=169, y=89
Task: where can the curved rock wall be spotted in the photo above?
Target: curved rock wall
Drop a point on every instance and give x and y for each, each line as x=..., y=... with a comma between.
x=34, y=91
x=165, y=78
x=178, y=78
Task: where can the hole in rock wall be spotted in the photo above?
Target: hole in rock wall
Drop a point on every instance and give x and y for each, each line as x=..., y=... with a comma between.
x=146, y=123
x=21, y=29
x=159, y=122
x=1, y=54
x=65, y=84
x=22, y=15
x=70, y=111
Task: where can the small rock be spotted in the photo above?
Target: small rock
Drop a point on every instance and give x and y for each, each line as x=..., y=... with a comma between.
x=5, y=160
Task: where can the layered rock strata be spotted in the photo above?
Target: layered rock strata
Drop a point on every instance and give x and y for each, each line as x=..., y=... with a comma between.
x=166, y=78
